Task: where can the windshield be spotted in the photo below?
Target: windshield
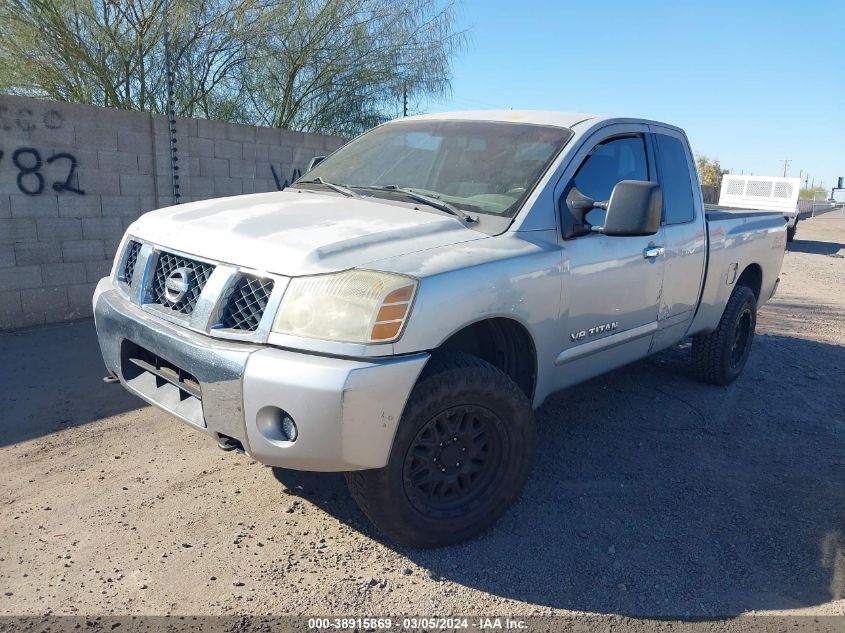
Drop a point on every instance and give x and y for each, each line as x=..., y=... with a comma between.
x=478, y=166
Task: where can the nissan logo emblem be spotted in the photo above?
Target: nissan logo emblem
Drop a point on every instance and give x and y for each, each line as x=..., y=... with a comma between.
x=177, y=285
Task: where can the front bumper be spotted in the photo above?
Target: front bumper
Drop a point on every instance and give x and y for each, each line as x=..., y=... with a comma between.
x=346, y=411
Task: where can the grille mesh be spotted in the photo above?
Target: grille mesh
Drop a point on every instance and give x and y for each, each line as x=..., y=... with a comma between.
x=131, y=259
x=783, y=190
x=736, y=186
x=197, y=275
x=246, y=304
x=761, y=188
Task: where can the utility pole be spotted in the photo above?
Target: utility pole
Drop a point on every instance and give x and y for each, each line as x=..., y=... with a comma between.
x=404, y=98
x=785, y=162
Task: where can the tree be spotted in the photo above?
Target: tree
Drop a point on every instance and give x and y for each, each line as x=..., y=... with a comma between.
x=336, y=66
x=710, y=171
x=111, y=53
x=342, y=66
x=814, y=194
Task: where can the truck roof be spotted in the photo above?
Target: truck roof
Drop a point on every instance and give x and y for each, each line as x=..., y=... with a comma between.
x=541, y=117
x=538, y=117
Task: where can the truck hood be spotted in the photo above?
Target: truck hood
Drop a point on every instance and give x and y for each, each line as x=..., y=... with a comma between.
x=298, y=233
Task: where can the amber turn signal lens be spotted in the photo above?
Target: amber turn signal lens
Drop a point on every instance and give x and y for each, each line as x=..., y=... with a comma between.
x=384, y=331
x=400, y=294
x=392, y=313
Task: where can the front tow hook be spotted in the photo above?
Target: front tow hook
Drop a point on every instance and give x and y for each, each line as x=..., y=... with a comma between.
x=111, y=378
x=226, y=443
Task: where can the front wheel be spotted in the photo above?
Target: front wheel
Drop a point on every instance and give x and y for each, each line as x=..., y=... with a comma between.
x=462, y=453
x=719, y=357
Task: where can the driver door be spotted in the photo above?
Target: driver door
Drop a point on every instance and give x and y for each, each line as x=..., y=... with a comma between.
x=612, y=284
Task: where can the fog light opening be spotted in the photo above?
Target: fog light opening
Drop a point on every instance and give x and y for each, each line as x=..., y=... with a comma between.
x=276, y=425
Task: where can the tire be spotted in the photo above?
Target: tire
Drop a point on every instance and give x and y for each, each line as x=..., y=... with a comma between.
x=790, y=232
x=463, y=397
x=719, y=357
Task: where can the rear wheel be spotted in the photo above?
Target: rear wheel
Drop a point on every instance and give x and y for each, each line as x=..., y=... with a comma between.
x=719, y=357
x=460, y=458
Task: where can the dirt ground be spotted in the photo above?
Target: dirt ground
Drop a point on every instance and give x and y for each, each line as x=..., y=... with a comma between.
x=652, y=495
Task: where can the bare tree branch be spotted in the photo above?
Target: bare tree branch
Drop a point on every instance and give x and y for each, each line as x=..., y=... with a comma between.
x=334, y=66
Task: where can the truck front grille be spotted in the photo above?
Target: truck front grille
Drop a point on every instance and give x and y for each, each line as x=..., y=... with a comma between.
x=170, y=285
x=132, y=250
x=246, y=304
x=195, y=275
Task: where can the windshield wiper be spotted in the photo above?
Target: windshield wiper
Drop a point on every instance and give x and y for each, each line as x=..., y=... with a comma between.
x=429, y=200
x=346, y=191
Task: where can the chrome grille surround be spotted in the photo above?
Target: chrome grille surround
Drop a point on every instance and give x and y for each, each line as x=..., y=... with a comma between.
x=255, y=295
x=245, y=306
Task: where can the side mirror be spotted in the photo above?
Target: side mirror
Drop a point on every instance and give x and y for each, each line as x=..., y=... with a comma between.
x=315, y=161
x=634, y=208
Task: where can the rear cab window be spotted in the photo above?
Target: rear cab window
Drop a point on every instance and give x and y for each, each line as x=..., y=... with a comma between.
x=675, y=180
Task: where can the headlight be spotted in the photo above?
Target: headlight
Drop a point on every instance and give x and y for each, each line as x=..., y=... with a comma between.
x=355, y=306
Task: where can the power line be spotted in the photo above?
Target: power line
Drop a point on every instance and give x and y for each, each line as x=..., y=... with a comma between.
x=785, y=162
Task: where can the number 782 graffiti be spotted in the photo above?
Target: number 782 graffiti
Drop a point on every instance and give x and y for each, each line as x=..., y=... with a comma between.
x=30, y=179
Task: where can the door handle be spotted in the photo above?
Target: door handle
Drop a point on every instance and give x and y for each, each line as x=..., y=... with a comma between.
x=653, y=251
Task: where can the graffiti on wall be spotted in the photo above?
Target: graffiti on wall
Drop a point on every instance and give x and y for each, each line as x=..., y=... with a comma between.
x=33, y=168
x=25, y=120
x=284, y=184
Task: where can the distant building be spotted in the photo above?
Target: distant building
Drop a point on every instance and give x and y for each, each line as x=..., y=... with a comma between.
x=837, y=194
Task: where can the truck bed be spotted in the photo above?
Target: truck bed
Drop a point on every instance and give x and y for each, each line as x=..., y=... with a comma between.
x=737, y=238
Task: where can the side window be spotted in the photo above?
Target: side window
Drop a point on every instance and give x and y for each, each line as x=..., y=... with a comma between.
x=678, y=201
x=611, y=161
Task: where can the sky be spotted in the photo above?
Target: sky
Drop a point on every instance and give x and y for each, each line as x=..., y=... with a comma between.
x=751, y=82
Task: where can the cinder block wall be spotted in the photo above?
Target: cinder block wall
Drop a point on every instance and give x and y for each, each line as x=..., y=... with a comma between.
x=73, y=177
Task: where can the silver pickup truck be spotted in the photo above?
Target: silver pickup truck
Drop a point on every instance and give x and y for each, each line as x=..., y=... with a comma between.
x=400, y=311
